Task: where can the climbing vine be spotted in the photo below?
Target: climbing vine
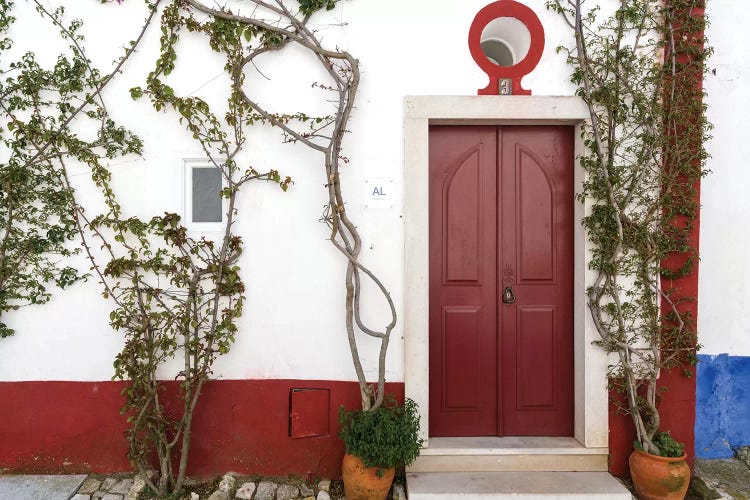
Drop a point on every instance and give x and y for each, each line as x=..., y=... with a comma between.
x=45, y=109
x=184, y=295
x=176, y=295
x=639, y=71
x=270, y=26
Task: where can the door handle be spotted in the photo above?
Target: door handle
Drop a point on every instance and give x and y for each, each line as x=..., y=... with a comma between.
x=508, y=296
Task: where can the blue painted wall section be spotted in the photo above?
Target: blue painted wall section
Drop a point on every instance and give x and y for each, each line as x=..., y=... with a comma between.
x=722, y=420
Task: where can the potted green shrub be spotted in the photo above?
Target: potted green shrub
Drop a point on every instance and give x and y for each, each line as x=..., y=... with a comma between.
x=662, y=476
x=376, y=442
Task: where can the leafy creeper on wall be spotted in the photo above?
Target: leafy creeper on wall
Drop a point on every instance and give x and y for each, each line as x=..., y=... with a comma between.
x=42, y=107
x=639, y=72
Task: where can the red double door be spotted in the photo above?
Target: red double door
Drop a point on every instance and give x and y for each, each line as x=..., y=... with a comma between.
x=501, y=281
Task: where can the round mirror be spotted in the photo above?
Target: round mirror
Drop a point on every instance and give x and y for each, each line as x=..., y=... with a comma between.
x=505, y=41
x=498, y=52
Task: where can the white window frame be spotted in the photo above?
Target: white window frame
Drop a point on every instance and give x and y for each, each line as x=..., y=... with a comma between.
x=188, y=164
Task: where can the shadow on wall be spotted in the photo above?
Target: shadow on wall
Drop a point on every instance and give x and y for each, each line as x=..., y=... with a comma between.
x=722, y=420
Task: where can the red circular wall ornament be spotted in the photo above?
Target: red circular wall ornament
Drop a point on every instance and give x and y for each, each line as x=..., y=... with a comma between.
x=500, y=75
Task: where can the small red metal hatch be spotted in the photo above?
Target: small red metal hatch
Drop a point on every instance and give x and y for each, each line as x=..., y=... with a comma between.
x=309, y=412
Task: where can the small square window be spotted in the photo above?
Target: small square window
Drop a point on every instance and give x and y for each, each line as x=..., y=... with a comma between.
x=204, y=206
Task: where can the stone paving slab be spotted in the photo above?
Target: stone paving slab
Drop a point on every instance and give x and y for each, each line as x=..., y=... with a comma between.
x=29, y=487
x=515, y=485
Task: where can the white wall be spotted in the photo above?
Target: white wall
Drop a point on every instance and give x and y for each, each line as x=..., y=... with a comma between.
x=724, y=287
x=293, y=325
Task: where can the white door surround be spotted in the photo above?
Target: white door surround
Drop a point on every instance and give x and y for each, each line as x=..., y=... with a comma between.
x=590, y=362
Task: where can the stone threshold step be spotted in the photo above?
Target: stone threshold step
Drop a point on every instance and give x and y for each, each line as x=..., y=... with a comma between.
x=523, y=445
x=516, y=485
x=510, y=463
x=507, y=454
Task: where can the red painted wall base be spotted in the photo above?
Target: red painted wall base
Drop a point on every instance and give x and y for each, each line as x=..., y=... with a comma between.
x=240, y=426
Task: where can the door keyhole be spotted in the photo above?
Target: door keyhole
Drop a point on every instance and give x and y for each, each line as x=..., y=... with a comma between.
x=508, y=296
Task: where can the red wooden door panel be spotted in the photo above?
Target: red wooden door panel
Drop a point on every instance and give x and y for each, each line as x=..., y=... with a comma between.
x=463, y=318
x=536, y=242
x=501, y=216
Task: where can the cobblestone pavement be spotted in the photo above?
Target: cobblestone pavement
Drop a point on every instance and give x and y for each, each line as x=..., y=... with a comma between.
x=721, y=479
x=230, y=487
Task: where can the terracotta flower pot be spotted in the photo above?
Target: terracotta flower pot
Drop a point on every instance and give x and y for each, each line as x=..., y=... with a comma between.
x=657, y=478
x=363, y=483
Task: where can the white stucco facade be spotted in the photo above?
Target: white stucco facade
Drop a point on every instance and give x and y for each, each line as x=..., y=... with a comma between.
x=724, y=279
x=293, y=325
